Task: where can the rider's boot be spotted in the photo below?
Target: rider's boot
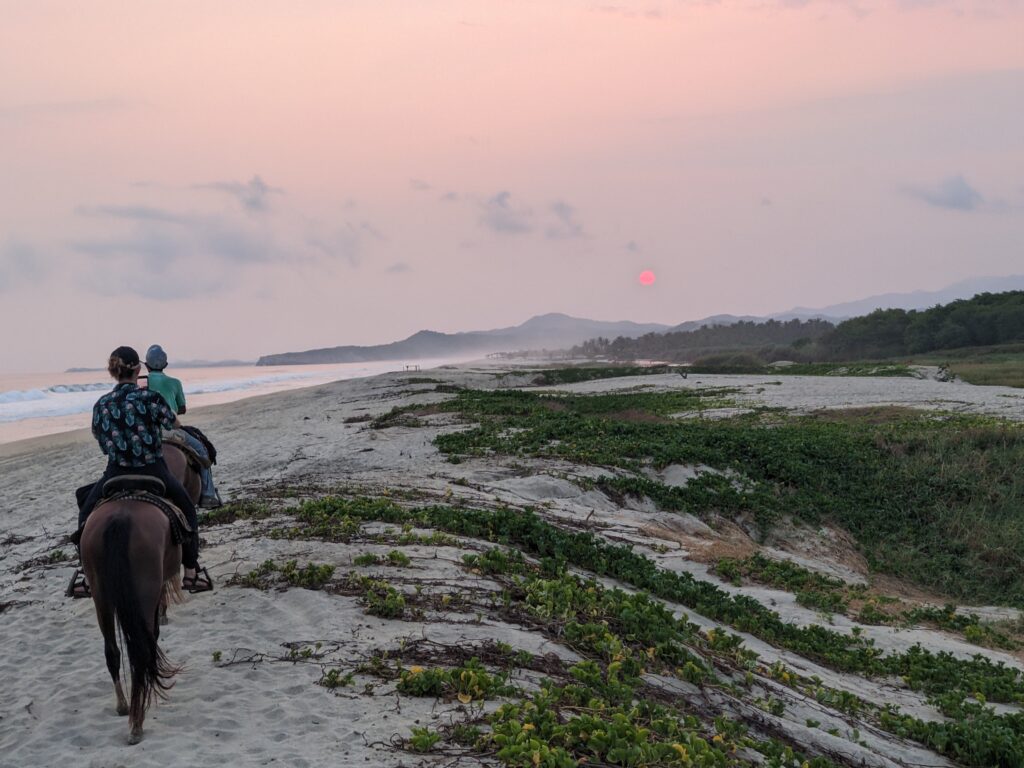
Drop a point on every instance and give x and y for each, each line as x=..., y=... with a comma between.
x=209, y=499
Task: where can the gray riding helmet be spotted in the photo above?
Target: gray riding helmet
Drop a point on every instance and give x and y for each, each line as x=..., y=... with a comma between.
x=156, y=358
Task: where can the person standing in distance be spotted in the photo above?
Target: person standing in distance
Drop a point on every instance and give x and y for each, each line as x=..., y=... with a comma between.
x=171, y=390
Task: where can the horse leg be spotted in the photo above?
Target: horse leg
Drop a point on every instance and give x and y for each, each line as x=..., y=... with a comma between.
x=113, y=655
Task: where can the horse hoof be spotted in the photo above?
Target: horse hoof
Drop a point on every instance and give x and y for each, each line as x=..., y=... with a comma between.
x=163, y=621
x=122, y=711
x=135, y=737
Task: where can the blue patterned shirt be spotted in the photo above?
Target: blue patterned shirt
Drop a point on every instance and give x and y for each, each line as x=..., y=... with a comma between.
x=128, y=424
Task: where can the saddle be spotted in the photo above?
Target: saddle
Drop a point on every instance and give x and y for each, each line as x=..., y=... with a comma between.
x=179, y=439
x=149, y=490
x=145, y=483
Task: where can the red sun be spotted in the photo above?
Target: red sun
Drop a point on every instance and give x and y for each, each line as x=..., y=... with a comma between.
x=646, y=277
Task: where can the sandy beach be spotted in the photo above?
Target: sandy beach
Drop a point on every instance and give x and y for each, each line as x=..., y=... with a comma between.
x=240, y=700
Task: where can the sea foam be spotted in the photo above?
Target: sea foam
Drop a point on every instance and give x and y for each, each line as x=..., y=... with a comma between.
x=68, y=399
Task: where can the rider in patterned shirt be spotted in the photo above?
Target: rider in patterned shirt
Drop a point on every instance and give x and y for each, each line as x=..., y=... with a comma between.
x=127, y=423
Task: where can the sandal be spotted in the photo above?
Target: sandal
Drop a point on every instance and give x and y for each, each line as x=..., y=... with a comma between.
x=78, y=587
x=201, y=582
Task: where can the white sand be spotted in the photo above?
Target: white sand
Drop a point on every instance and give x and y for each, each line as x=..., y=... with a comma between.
x=56, y=700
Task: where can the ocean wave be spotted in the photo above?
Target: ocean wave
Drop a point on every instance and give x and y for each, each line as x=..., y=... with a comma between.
x=69, y=399
x=63, y=389
x=21, y=396
x=29, y=395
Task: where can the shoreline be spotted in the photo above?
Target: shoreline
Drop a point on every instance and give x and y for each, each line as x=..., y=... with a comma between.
x=202, y=393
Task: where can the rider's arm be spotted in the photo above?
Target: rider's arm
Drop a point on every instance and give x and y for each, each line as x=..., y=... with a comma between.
x=162, y=412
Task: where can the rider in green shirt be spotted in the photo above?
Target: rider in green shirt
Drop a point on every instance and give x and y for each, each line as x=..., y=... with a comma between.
x=170, y=389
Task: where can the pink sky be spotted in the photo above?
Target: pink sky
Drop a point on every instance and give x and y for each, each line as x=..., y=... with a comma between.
x=238, y=178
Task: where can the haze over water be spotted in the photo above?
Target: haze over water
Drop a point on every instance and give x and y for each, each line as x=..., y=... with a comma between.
x=36, y=404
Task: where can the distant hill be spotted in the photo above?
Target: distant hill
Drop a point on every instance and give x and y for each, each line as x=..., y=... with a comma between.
x=551, y=331
x=714, y=321
x=556, y=331
x=965, y=289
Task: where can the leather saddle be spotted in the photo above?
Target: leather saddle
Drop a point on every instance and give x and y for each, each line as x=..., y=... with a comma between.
x=142, y=483
x=151, y=491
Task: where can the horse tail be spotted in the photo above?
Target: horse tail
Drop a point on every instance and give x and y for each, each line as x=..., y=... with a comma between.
x=151, y=672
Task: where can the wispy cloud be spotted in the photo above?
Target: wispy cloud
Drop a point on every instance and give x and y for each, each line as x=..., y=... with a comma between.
x=164, y=253
x=566, y=224
x=399, y=267
x=132, y=212
x=161, y=235
x=371, y=230
x=340, y=243
x=953, y=193
x=652, y=12
x=156, y=285
x=343, y=242
x=862, y=8
x=858, y=8
x=253, y=195
x=420, y=185
x=500, y=215
x=61, y=108
x=19, y=263
x=167, y=255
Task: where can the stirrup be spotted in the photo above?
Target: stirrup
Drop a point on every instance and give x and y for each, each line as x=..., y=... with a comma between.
x=78, y=587
x=201, y=582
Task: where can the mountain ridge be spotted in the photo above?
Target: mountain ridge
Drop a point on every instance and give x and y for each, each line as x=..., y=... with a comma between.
x=557, y=330
x=964, y=289
x=554, y=330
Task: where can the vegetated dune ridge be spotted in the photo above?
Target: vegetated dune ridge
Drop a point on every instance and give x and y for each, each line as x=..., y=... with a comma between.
x=251, y=658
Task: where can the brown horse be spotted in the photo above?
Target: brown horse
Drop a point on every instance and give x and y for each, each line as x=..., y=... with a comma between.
x=182, y=469
x=132, y=565
x=185, y=472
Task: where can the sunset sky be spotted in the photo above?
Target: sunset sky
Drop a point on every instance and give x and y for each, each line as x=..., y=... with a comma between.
x=243, y=177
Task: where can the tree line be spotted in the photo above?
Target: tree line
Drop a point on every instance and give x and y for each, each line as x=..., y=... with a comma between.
x=686, y=346
x=985, y=320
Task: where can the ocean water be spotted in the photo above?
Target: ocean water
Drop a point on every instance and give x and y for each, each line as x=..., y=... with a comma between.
x=46, y=403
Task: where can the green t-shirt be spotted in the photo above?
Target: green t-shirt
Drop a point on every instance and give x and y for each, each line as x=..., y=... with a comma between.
x=170, y=388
